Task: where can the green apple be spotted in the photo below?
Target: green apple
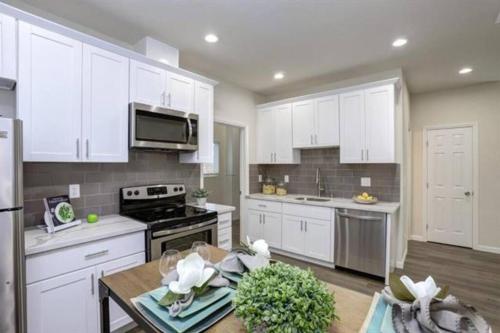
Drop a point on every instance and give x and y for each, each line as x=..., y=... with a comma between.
x=92, y=218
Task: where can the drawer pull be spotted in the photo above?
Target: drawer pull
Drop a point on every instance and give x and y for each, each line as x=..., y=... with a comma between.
x=96, y=254
x=262, y=206
x=92, y=290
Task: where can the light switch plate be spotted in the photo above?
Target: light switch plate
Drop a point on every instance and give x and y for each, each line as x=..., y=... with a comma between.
x=260, y=178
x=74, y=191
x=286, y=179
x=366, y=181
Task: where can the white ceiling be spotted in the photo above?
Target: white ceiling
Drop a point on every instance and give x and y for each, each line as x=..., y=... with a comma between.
x=308, y=39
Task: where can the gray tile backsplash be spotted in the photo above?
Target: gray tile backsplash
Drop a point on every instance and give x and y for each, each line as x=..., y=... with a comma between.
x=340, y=180
x=100, y=182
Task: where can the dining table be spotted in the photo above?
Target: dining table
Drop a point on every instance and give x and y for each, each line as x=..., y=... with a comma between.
x=351, y=307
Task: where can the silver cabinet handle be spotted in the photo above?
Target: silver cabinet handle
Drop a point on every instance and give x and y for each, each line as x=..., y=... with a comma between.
x=365, y=218
x=362, y=155
x=169, y=99
x=271, y=157
x=102, y=274
x=274, y=157
x=367, y=154
x=301, y=225
x=162, y=96
x=78, y=148
x=260, y=218
x=311, y=139
x=264, y=218
x=92, y=288
x=87, y=147
x=96, y=254
x=305, y=226
x=316, y=138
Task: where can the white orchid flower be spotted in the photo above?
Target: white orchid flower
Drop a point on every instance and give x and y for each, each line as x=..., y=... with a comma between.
x=260, y=247
x=427, y=288
x=192, y=273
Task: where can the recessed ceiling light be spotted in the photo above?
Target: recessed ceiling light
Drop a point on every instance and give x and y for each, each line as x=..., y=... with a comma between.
x=279, y=76
x=211, y=38
x=400, y=42
x=465, y=70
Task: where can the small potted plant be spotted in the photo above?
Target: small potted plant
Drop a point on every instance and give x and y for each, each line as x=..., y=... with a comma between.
x=283, y=298
x=201, y=195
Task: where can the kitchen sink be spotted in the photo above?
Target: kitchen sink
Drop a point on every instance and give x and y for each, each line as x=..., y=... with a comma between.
x=315, y=199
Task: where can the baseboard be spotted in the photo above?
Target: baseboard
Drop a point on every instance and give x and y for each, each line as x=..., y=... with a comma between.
x=401, y=263
x=486, y=248
x=418, y=238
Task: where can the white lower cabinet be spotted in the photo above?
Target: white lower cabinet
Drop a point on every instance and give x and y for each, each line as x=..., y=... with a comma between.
x=265, y=225
x=307, y=236
x=62, y=289
x=117, y=317
x=293, y=237
x=66, y=303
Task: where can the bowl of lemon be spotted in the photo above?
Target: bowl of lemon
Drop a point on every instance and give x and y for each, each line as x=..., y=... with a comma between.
x=365, y=198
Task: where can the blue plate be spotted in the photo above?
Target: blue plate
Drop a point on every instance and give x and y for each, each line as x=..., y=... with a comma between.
x=181, y=325
x=235, y=277
x=199, y=302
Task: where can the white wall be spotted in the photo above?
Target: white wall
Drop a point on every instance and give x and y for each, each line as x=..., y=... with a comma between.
x=479, y=103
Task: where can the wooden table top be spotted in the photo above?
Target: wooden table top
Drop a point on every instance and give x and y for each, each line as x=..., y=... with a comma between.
x=352, y=307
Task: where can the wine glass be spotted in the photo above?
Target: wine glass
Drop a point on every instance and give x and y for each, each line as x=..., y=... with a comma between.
x=168, y=262
x=202, y=249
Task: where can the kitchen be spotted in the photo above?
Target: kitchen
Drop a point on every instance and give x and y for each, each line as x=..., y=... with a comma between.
x=121, y=135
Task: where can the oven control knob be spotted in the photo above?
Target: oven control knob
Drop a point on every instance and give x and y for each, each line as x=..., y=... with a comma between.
x=129, y=193
x=176, y=189
x=181, y=189
x=136, y=192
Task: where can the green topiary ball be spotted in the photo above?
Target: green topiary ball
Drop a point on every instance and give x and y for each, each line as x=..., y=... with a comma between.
x=281, y=298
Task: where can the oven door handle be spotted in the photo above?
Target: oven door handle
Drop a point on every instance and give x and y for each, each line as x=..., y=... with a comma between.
x=179, y=230
x=190, y=131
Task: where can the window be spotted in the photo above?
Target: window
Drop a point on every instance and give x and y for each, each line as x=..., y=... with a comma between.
x=212, y=169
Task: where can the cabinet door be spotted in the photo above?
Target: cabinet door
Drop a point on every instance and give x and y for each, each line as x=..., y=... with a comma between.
x=352, y=127
x=282, y=127
x=327, y=121
x=50, y=94
x=117, y=317
x=293, y=234
x=303, y=124
x=254, y=226
x=147, y=84
x=380, y=125
x=66, y=303
x=7, y=47
x=204, y=107
x=272, y=229
x=105, y=106
x=317, y=242
x=180, y=92
x=265, y=136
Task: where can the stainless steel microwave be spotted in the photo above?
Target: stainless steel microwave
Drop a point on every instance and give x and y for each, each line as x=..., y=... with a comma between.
x=154, y=127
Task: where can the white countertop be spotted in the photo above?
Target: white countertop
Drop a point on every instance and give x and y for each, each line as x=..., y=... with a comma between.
x=37, y=240
x=381, y=206
x=220, y=209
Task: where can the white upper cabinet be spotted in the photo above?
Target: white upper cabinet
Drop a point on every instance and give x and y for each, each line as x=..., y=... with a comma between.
x=181, y=93
x=380, y=124
x=303, y=124
x=105, y=106
x=204, y=107
x=8, y=47
x=147, y=84
x=316, y=123
x=50, y=94
x=274, y=136
x=367, y=126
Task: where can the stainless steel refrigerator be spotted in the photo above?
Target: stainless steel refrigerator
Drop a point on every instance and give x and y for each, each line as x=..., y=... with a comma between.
x=12, y=264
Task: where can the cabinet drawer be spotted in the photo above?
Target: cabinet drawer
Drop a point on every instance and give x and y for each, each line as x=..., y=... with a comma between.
x=224, y=221
x=322, y=213
x=45, y=265
x=224, y=239
x=266, y=206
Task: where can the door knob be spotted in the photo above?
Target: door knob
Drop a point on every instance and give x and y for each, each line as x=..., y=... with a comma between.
x=468, y=194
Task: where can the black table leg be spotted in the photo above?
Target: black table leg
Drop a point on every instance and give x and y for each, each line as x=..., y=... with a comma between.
x=104, y=307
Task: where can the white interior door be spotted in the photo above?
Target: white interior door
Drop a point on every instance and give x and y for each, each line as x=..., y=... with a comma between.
x=450, y=185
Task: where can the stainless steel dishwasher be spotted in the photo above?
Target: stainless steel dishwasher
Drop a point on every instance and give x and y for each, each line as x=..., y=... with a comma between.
x=360, y=241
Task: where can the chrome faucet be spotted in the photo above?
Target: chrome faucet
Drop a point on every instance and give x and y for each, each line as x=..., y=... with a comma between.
x=319, y=185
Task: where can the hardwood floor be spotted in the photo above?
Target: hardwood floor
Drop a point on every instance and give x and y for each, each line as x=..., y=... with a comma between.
x=473, y=276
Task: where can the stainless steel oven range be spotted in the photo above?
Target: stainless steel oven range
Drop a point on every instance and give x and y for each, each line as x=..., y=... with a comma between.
x=171, y=223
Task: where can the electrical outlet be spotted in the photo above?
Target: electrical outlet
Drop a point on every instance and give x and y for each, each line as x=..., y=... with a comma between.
x=366, y=181
x=260, y=178
x=286, y=179
x=74, y=191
